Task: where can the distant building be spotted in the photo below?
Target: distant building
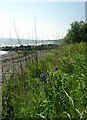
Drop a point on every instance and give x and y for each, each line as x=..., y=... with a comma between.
x=86, y=11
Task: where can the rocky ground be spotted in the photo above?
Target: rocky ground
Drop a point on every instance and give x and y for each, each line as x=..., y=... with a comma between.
x=15, y=62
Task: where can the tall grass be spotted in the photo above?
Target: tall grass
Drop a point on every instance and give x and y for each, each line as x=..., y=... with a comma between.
x=0, y=101
x=57, y=88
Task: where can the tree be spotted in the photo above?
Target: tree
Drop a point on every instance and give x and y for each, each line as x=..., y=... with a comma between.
x=77, y=32
x=84, y=32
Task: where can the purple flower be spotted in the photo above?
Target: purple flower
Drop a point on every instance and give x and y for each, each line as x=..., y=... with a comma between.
x=43, y=77
x=56, y=68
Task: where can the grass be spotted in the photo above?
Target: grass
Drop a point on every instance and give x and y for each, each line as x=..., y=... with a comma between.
x=0, y=101
x=55, y=87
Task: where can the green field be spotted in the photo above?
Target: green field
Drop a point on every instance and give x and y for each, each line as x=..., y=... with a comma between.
x=54, y=87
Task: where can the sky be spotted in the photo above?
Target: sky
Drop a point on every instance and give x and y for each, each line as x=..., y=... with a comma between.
x=52, y=19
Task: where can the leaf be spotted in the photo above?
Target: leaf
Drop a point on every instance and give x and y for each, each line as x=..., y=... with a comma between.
x=41, y=116
x=69, y=98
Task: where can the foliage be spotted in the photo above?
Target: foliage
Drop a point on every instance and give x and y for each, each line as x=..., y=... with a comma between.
x=55, y=87
x=77, y=32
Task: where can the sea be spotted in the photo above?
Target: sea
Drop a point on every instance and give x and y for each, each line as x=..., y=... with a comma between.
x=31, y=42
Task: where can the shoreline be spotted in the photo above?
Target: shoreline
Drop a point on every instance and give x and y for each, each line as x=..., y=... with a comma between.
x=3, y=52
x=13, y=52
x=13, y=61
x=29, y=47
x=10, y=63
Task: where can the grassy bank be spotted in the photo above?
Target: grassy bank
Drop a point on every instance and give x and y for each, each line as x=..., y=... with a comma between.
x=0, y=102
x=55, y=87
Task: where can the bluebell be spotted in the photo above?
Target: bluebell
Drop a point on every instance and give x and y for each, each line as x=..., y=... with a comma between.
x=56, y=68
x=43, y=77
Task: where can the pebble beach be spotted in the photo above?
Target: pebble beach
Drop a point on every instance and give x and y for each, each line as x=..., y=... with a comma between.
x=13, y=62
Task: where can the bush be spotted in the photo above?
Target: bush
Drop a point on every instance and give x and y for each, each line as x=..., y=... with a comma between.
x=77, y=32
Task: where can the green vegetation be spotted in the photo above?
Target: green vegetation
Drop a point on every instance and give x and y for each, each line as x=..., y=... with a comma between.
x=54, y=87
x=0, y=101
x=77, y=32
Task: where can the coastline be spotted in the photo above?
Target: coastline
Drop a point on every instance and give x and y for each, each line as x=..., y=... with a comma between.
x=19, y=59
x=14, y=62
x=3, y=52
x=10, y=63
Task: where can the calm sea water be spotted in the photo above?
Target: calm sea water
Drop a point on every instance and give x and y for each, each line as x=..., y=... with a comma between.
x=16, y=42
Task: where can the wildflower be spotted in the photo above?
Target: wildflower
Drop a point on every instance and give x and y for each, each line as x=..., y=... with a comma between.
x=56, y=68
x=43, y=77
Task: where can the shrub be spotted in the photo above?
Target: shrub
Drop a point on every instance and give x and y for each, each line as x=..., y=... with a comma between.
x=77, y=32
